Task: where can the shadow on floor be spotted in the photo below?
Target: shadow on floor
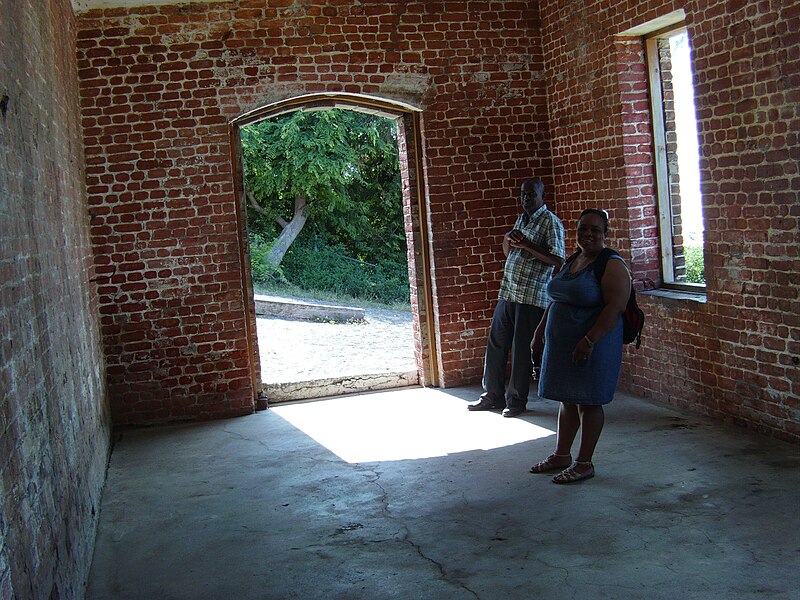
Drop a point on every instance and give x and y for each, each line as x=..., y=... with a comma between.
x=405, y=494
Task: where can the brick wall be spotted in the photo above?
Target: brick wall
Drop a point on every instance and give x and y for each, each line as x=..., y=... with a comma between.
x=748, y=86
x=503, y=95
x=158, y=88
x=735, y=356
x=54, y=423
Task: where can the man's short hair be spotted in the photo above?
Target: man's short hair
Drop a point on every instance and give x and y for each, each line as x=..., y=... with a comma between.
x=536, y=183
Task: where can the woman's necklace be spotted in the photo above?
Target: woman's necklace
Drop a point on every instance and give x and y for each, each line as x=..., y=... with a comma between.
x=582, y=262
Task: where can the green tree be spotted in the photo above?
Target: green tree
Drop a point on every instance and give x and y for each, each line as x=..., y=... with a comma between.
x=695, y=269
x=336, y=169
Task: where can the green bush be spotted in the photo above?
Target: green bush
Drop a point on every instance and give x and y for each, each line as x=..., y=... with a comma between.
x=325, y=268
x=318, y=267
x=695, y=269
x=261, y=268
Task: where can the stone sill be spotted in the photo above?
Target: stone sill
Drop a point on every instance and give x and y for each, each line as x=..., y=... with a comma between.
x=336, y=386
x=268, y=306
x=675, y=295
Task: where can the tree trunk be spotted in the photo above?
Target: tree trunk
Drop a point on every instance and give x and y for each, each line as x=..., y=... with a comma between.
x=290, y=231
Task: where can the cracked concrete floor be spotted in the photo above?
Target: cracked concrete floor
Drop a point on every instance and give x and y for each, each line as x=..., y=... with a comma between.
x=406, y=494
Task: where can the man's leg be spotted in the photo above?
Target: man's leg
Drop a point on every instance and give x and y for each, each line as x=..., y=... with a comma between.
x=497, y=347
x=526, y=320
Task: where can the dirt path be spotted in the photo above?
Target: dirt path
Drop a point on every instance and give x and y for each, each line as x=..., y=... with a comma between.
x=294, y=351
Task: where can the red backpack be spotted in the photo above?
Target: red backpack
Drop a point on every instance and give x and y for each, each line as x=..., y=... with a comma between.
x=632, y=317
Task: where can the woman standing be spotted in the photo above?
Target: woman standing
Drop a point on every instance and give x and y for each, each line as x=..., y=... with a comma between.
x=581, y=336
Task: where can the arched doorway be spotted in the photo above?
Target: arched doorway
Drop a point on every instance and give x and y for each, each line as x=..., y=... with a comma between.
x=414, y=208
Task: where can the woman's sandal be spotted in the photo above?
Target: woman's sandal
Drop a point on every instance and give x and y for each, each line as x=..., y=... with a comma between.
x=552, y=464
x=571, y=475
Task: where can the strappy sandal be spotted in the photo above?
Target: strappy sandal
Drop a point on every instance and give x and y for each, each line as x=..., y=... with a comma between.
x=549, y=464
x=571, y=475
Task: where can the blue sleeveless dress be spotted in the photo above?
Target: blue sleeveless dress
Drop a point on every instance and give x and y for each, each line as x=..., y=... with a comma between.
x=576, y=303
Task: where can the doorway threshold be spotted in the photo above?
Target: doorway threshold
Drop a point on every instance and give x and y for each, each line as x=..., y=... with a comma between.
x=337, y=386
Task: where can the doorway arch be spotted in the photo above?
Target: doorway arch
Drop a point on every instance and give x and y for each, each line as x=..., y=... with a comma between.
x=408, y=119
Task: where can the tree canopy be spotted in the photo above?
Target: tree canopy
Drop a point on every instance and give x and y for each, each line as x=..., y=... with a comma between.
x=334, y=172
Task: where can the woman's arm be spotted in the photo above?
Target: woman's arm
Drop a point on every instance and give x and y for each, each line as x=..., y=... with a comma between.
x=616, y=288
x=537, y=343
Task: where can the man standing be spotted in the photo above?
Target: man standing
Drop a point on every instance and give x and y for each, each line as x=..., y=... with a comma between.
x=533, y=249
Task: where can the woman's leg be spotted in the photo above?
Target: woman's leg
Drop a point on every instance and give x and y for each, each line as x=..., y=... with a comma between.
x=592, y=420
x=569, y=421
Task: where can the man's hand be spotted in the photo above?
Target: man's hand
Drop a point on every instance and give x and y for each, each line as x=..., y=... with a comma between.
x=537, y=347
x=516, y=239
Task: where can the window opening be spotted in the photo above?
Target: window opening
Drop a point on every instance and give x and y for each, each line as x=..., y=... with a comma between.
x=676, y=159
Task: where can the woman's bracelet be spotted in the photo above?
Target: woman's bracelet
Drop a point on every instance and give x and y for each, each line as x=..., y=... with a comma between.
x=588, y=341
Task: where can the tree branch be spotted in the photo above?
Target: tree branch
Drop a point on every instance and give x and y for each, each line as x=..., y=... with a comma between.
x=260, y=210
x=254, y=204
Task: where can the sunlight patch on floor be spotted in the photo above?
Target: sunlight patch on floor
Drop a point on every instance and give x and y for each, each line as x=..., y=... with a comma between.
x=404, y=424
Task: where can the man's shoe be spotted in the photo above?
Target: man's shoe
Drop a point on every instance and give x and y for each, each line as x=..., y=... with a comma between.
x=486, y=404
x=513, y=412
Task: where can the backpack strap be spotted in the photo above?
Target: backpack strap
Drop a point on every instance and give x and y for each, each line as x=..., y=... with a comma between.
x=572, y=257
x=599, y=263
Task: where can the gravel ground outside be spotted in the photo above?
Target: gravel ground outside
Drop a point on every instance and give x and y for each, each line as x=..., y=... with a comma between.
x=295, y=350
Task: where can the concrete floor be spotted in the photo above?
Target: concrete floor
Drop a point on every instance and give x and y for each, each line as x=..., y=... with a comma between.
x=406, y=494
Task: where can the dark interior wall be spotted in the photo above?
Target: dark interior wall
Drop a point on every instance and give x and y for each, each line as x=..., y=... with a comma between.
x=734, y=356
x=54, y=421
x=159, y=86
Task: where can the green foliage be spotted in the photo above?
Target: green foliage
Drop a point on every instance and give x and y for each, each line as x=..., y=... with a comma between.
x=313, y=266
x=326, y=268
x=695, y=269
x=344, y=163
x=262, y=269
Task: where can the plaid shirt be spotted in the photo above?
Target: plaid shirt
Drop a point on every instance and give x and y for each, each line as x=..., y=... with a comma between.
x=525, y=277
